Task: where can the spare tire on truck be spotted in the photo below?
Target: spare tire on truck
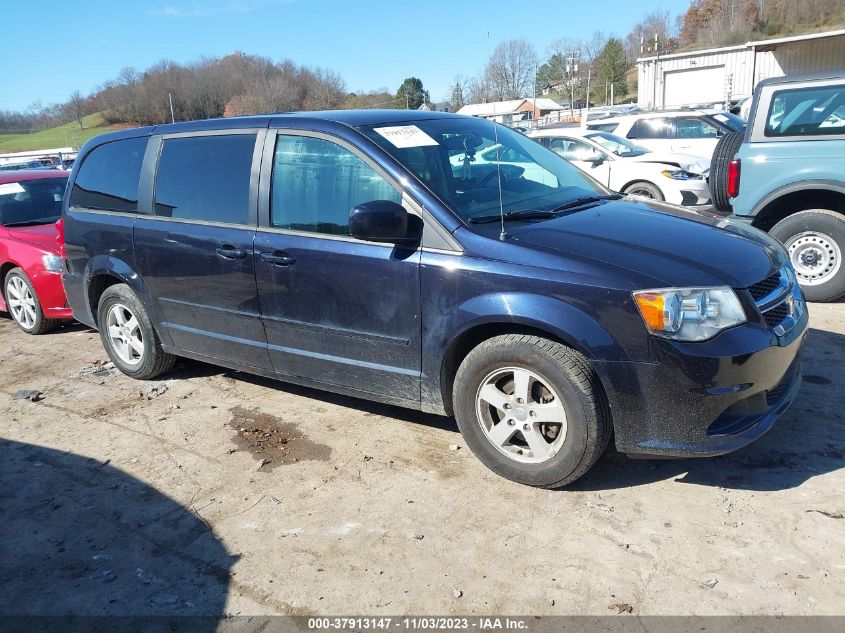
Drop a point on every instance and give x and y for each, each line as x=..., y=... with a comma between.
x=726, y=149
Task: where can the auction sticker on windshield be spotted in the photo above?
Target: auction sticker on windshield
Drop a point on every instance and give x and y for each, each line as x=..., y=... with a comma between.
x=406, y=136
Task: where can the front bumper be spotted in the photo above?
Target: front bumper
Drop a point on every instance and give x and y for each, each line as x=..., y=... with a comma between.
x=687, y=193
x=51, y=293
x=704, y=399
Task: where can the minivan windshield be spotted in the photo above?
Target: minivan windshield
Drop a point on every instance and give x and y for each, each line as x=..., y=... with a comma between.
x=469, y=163
x=31, y=202
x=622, y=147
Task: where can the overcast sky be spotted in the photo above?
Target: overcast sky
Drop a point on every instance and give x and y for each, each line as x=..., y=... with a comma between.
x=50, y=49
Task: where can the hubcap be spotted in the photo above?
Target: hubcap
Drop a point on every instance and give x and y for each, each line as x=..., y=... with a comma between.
x=521, y=415
x=815, y=257
x=124, y=334
x=21, y=302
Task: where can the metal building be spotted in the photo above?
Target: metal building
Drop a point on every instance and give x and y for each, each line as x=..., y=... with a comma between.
x=731, y=72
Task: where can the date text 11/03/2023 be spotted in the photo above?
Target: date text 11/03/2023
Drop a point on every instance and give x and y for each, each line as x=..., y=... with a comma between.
x=420, y=623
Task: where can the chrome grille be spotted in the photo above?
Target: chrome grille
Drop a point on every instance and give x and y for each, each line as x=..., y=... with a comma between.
x=774, y=298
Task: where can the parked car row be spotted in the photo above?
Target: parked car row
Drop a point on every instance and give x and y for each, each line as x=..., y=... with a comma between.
x=623, y=166
x=683, y=131
x=386, y=255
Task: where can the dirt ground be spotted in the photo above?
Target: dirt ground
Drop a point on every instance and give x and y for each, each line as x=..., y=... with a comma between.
x=222, y=494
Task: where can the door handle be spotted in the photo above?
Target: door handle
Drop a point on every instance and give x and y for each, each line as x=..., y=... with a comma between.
x=277, y=258
x=227, y=251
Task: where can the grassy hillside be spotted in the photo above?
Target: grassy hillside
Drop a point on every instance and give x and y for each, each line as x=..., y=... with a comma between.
x=61, y=136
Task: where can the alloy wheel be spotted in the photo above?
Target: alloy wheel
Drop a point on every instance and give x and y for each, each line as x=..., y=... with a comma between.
x=21, y=302
x=521, y=415
x=124, y=334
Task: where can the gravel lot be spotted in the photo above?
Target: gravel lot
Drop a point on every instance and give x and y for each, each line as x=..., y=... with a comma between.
x=230, y=494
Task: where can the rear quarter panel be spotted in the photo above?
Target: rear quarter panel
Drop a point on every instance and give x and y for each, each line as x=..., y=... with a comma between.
x=100, y=243
x=770, y=166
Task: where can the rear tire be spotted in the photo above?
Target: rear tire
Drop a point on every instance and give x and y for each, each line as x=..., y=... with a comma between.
x=129, y=336
x=23, y=304
x=815, y=241
x=726, y=149
x=531, y=410
x=644, y=189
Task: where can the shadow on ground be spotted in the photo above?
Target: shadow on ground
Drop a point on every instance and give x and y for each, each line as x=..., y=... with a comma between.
x=81, y=538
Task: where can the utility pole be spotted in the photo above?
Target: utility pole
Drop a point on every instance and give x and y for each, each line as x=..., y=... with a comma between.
x=589, y=72
x=572, y=58
x=656, y=69
x=172, y=117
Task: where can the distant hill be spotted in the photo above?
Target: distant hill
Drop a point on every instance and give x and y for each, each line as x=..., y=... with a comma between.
x=61, y=136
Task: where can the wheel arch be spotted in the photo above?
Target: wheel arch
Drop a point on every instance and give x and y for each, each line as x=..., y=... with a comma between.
x=790, y=199
x=103, y=272
x=634, y=181
x=5, y=267
x=482, y=329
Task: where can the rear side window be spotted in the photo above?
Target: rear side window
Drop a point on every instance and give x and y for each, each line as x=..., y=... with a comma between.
x=571, y=149
x=693, y=127
x=108, y=177
x=205, y=178
x=807, y=112
x=652, y=128
x=317, y=182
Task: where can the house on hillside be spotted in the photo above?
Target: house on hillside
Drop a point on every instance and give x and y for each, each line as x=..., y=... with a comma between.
x=723, y=74
x=441, y=106
x=513, y=110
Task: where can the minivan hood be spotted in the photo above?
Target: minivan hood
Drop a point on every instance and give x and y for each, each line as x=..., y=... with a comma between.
x=42, y=235
x=669, y=245
x=688, y=162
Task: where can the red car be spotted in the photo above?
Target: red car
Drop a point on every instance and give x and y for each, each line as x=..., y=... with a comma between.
x=30, y=252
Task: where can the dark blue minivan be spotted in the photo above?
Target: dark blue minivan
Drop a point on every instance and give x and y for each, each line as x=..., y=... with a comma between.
x=374, y=253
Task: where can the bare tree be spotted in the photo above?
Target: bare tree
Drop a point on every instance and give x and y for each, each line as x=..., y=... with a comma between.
x=459, y=92
x=511, y=69
x=477, y=90
x=658, y=23
x=77, y=106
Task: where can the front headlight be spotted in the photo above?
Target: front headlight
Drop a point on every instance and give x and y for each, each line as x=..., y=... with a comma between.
x=689, y=314
x=681, y=174
x=52, y=263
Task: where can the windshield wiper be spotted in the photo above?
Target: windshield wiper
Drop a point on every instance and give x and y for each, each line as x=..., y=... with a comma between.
x=525, y=214
x=542, y=214
x=580, y=202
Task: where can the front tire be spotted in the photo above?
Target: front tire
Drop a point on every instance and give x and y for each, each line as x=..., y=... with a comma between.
x=815, y=241
x=531, y=410
x=128, y=335
x=23, y=304
x=644, y=189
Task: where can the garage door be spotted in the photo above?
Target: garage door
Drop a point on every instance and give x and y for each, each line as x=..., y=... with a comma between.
x=682, y=87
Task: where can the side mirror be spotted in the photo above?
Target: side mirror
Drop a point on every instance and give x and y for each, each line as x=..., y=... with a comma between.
x=384, y=221
x=595, y=157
